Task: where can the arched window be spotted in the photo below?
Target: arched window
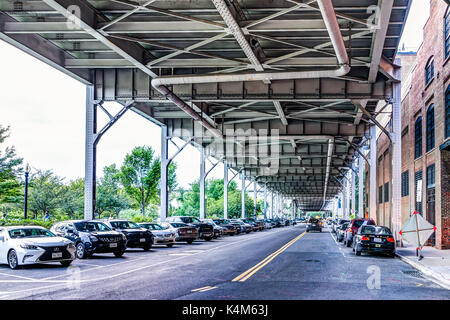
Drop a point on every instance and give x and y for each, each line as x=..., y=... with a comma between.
x=447, y=112
x=429, y=71
x=418, y=138
x=447, y=33
x=430, y=128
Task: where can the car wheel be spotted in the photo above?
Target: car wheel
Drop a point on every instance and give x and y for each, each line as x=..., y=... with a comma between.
x=170, y=245
x=190, y=241
x=348, y=244
x=147, y=247
x=66, y=263
x=320, y=230
x=208, y=238
x=81, y=251
x=358, y=253
x=13, y=261
x=119, y=254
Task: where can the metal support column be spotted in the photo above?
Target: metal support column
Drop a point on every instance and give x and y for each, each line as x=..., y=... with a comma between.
x=164, y=192
x=373, y=175
x=90, y=155
x=265, y=202
x=255, y=195
x=396, y=153
x=243, y=196
x=225, y=189
x=202, y=183
x=361, y=187
x=272, y=205
x=353, y=189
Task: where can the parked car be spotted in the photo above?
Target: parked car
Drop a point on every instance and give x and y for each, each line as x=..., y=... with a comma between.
x=205, y=230
x=25, y=245
x=218, y=230
x=228, y=228
x=353, y=228
x=239, y=227
x=90, y=236
x=160, y=234
x=268, y=224
x=247, y=228
x=337, y=224
x=314, y=225
x=256, y=225
x=340, y=231
x=183, y=231
x=374, y=239
x=137, y=237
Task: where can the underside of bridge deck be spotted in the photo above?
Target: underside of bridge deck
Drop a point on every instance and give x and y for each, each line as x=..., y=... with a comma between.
x=284, y=91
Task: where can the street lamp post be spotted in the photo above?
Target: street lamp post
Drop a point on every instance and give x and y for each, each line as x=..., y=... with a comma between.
x=27, y=172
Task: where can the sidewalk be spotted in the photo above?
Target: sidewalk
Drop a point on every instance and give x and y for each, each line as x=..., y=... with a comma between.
x=435, y=264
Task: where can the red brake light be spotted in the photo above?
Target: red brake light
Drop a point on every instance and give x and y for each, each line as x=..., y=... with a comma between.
x=390, y=239
x=364, y=238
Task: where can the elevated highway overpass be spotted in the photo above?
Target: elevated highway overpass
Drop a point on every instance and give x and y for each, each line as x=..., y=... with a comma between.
x=284, y=92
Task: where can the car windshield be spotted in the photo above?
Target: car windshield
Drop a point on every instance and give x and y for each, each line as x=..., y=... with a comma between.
x=358, y=223
x=30, y=233
x=124, y=225
x=178, y=225
x=153, y=226
x=190, y=219
x=91, y=226
x=381, y=231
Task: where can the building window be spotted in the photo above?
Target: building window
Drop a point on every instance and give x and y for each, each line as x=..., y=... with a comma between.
x=418, y=138
x=430, y=128
x=447, y=112
x=380, y=194
x=418, y=190
x=405, y=183
x=386, y=192
x=447, y=34
x=429, y=71
x=431, y=177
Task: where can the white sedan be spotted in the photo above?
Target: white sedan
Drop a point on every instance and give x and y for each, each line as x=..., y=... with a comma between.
x=162, y=235
x=24, y=245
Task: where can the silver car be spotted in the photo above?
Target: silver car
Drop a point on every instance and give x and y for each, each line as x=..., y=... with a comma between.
x=162, y=235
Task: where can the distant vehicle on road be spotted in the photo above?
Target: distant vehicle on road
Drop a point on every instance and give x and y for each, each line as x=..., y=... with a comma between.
x=161, y=235
x=183, y=231
x=374, y=239
x=205, y=230
x=337, y=224
x=340, y=231
x=314, y=225
x=25, y=245
x=90, y=236
x=137, y=237
x=353, y=227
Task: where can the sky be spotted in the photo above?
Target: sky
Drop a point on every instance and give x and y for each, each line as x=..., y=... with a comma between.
x=46, y=112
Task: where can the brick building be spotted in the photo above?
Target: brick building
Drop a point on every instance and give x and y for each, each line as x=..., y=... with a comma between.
x=425, y=132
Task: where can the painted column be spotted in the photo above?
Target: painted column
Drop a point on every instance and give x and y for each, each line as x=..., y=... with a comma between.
x=272, y=205
x=164, y=193
x=202, y=183
x=242, y=196
x=265, y=202
x=353, y=189
x=255, y=195
x=361, y=187
x=225, y=189
x=90, y=155
x=373, y=175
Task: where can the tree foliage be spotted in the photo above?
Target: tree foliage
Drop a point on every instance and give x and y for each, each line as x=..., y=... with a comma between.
x=10, y=170
x=110, y=194
x=45, y=193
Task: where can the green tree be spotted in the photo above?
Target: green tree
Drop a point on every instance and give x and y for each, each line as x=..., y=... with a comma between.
x=140, y=175
x=72, y=198
x=10, y=169
x=110, y=195
x=46, y=191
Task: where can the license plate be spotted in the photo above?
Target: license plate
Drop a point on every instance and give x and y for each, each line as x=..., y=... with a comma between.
x=56, y=255
x=189, y=231
x=113, y=245
x=377, y=245
x=377, y=240
x=142, y=240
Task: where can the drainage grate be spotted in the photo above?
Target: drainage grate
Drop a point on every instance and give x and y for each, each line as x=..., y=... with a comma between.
x=413, y=273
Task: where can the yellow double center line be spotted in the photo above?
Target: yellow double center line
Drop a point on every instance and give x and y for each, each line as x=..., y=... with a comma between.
x=250, y=272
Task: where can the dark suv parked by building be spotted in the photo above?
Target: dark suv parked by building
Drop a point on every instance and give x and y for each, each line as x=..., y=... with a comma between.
x=90, y=236
x=205, y=230
x=137, y=237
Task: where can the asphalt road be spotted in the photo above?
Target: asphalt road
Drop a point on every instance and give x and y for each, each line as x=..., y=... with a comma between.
x=284, y=263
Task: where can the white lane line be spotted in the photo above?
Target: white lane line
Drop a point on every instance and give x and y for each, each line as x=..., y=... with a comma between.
x=337, y=244
x=16, y=276
x=181, y=254
x=65, y=282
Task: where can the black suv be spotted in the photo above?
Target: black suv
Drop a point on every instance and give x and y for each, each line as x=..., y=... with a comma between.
x=137, y=237
x=90, y=236
x=205, y=230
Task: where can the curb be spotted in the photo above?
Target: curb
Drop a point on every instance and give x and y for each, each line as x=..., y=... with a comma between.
x=437, y=277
